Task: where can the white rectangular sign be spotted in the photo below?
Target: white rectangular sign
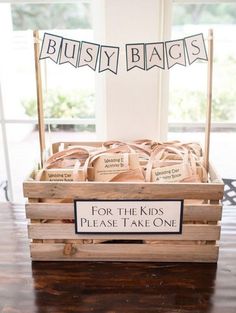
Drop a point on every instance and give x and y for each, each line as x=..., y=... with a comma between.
x=128, y=216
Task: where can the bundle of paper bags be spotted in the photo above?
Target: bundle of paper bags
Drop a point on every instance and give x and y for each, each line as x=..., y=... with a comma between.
x=116, y=161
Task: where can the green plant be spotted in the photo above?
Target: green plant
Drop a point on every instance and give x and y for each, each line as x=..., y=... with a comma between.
x=49, y=16
x=64, y=105
x=220, y=13
x=190, y=106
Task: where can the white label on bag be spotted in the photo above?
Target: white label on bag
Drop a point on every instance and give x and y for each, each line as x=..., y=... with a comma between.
x=116, y=216
x=173, y=173
x=58, y=175
x=109, y=165
x=61, y=175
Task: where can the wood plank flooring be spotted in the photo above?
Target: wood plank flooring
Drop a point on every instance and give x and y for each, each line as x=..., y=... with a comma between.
x=59, y=287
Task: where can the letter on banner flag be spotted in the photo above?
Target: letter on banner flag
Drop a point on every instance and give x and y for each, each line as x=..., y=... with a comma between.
x=135, y=56
x=89, y=55
x=109, y=57
x=69, y=51
x=195, y=47
x=50, y=47
x=175, y=53
x=155, y=55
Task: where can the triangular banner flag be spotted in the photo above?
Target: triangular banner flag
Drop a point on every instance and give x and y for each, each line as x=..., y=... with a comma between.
x=135, y=56
x=69, y=51
x=89, y=55
x=175, y=53
x=195, y=47
x=155, y=55
x=50, y=47
x=109, y=57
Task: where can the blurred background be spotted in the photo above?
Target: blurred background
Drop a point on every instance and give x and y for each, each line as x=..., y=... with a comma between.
x=71, y=102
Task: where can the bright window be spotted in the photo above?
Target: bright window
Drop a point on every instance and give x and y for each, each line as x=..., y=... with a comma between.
x=69, y=93
x=188, y=85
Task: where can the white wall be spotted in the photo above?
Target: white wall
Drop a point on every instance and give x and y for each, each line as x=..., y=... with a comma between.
x=129, y=104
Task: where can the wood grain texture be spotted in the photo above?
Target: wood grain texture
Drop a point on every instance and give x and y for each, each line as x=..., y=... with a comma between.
x=125, y=252
x=67, y=231
x=209, y=100
x=114, y=287
x=39, y=89
x=66, y=211
x=194, y=212
x=98, y=190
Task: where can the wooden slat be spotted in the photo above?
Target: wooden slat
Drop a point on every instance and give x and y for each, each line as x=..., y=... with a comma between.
x=125, y=252
x=67, y=231
x=203, y=212
x=99, y=190
x=50, y=211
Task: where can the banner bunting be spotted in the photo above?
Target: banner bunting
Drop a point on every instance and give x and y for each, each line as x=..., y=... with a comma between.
x=175, y=53
x=89, y=55
x=155, y=55
x=109, y=59
x=144, y=56
x=135, y=56
x=195, y=47
x=51, y=47
x=69, y=52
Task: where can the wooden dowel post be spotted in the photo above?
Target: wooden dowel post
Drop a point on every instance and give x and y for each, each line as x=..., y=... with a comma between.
x=39, y=97
x=209, y=99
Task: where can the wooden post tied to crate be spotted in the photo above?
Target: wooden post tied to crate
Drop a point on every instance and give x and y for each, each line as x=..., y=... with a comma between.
x=50, y=203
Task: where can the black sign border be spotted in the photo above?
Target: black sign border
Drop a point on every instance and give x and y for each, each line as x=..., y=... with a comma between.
x=130, y=233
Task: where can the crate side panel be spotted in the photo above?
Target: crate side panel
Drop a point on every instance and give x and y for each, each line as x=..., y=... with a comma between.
x=202, y=212
x=125, y=252
x=98, y=190
x=67, y=231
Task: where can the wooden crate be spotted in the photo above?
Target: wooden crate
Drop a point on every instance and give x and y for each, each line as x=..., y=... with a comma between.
x=54, y=240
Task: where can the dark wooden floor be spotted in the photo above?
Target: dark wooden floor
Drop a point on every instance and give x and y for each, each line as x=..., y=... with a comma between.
x=112, y=287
